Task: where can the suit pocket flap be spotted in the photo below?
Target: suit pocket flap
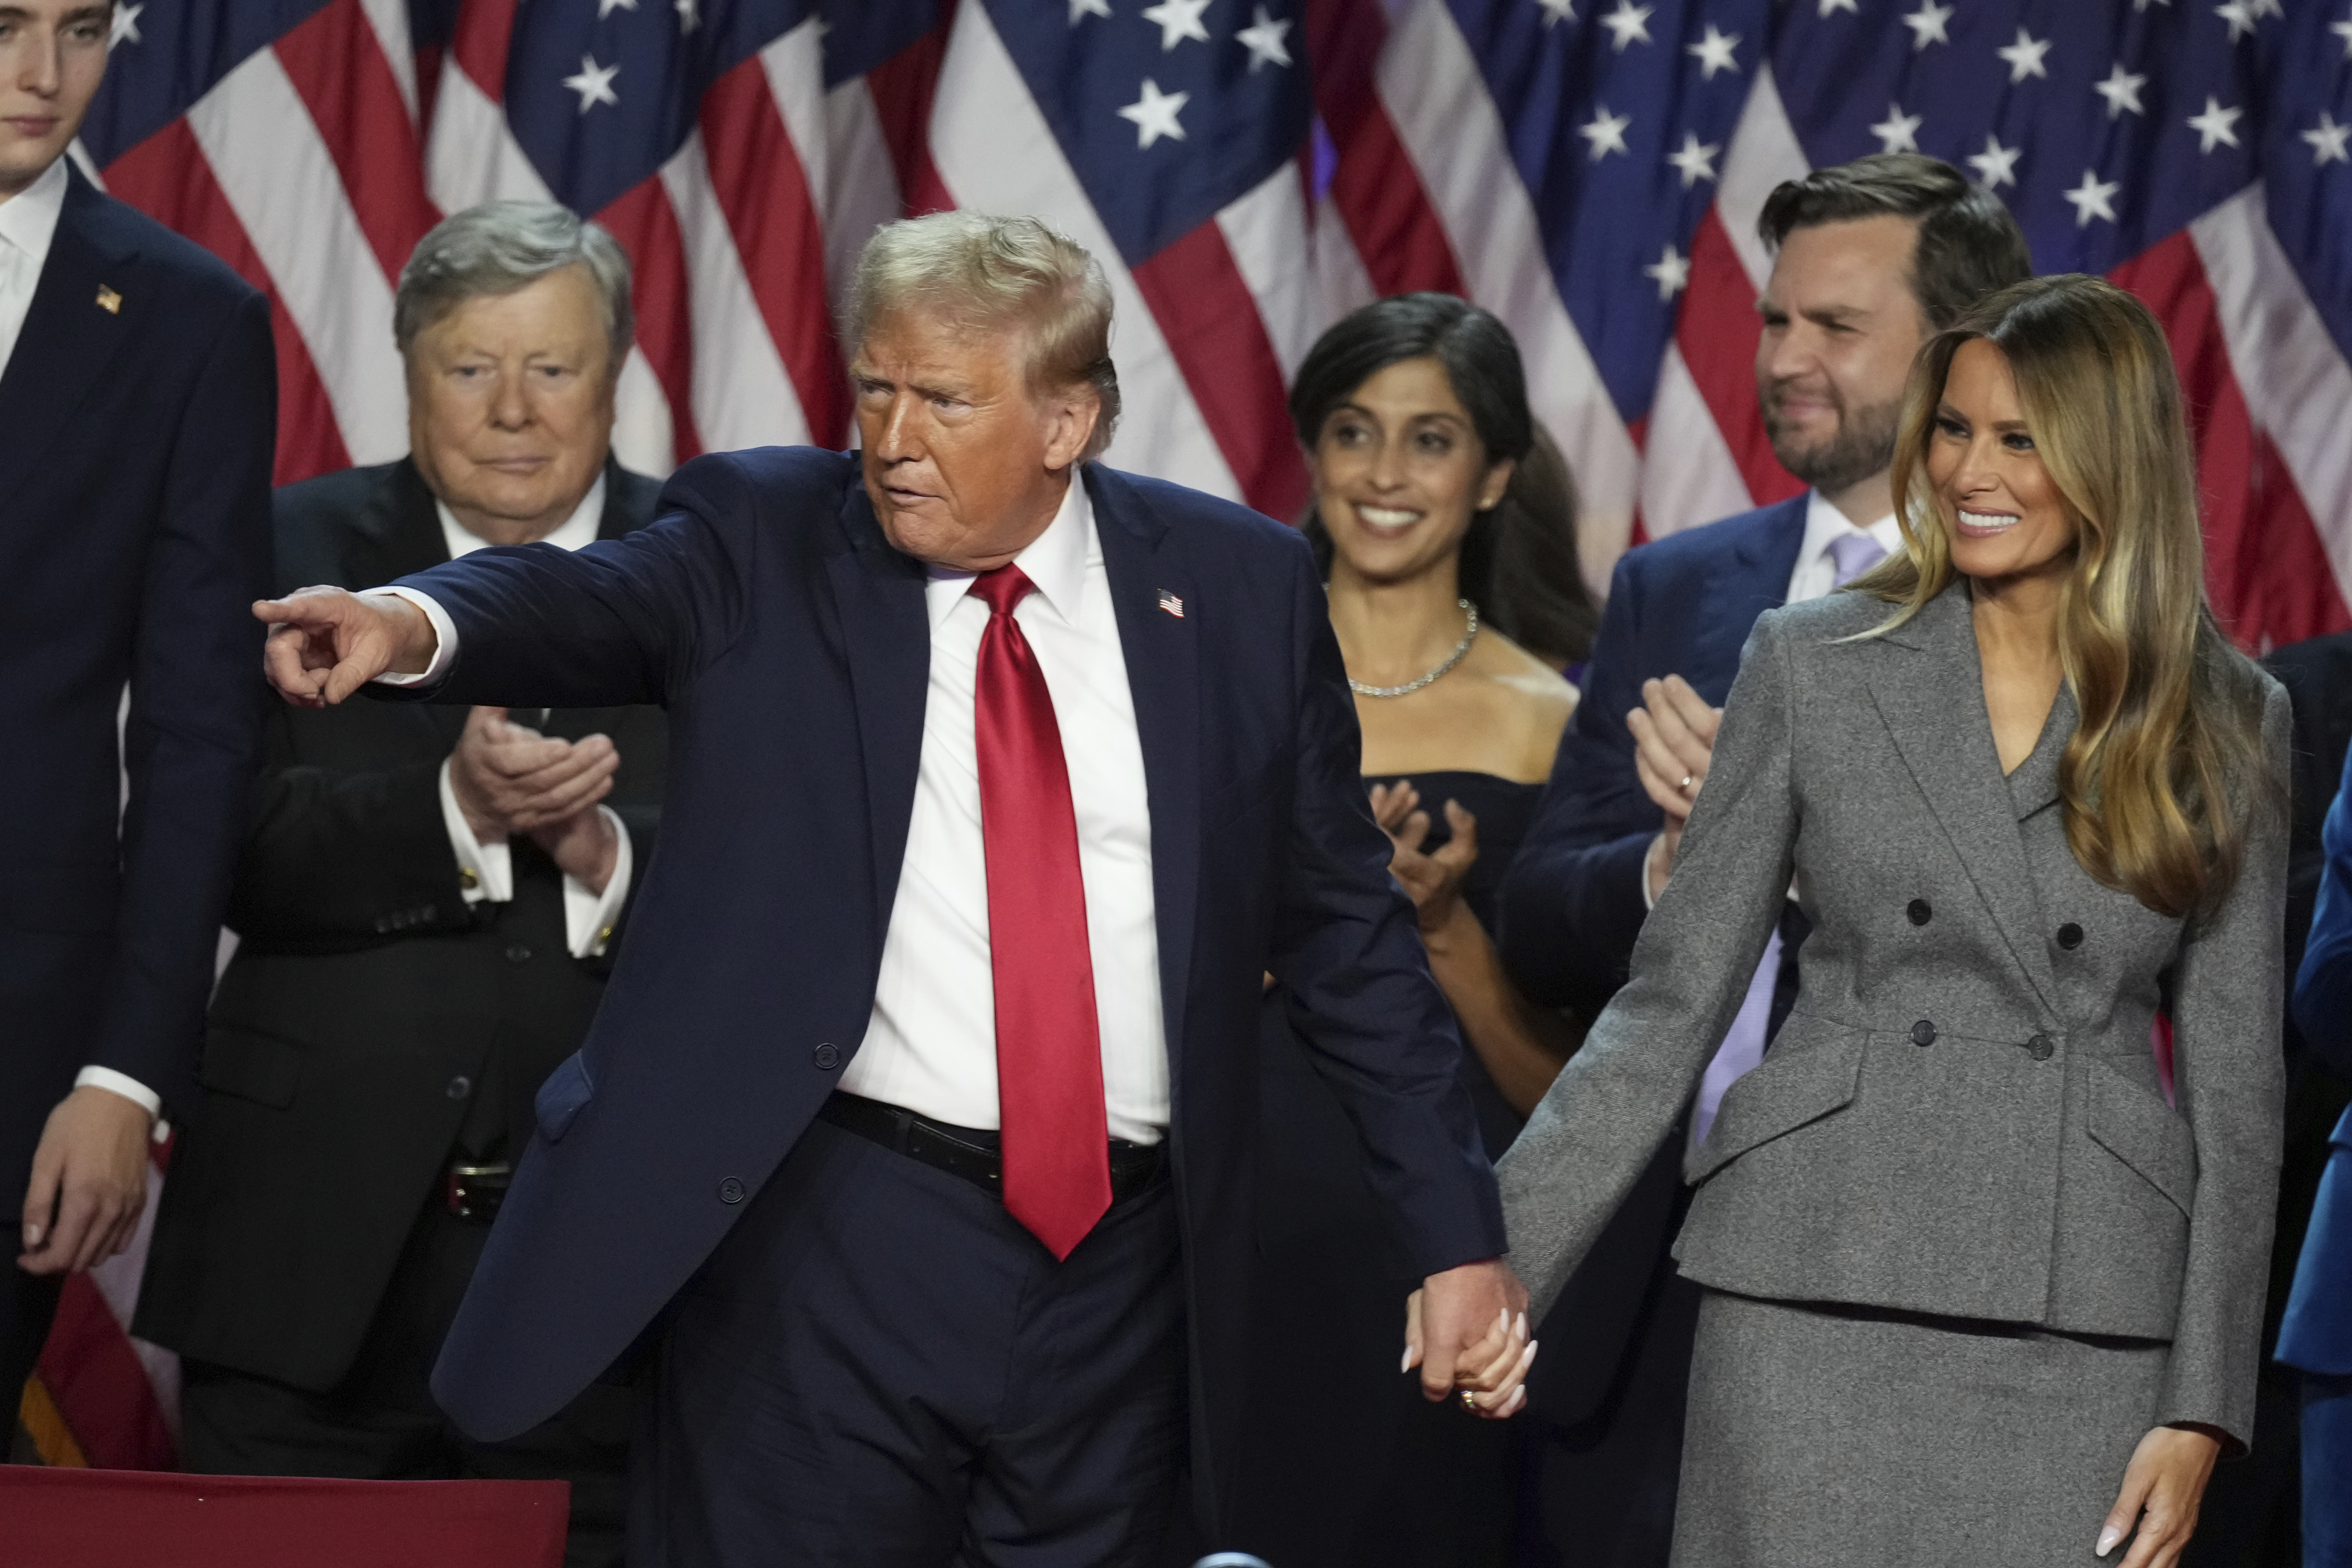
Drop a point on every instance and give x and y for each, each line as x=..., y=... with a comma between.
x=251, y=1066
x=567, y=1088
x=2133, y=1123
x=1813, y=1069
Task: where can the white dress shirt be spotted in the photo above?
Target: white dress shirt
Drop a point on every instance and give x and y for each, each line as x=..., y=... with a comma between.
x=28, y=221
x=931, y=1045
x=1816, y=571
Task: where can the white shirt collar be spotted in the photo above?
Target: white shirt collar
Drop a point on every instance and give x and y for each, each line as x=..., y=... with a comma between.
x=1825, y=525
x=1056, y=561
x=28, y=220
x=575, y=531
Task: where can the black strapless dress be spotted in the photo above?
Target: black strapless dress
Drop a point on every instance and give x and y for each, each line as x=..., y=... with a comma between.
x=1348, y=1465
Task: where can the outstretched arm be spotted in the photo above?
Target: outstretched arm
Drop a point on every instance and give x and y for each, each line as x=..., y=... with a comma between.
x=326, y=643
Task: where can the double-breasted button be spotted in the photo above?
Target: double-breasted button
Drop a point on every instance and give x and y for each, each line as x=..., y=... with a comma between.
x=1920, y=912
x=518, y=953
x=731, y=1191
x=2040, y=1048
x=460, y=1087
x=1923, y=1033
x=2070, y=936
x=827, y=1057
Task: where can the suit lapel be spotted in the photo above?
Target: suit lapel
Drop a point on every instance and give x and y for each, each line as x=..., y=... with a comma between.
x=68, y=337
x=1928, y=687
x=1744, y=583
x=1142, y=562
x=887, y=634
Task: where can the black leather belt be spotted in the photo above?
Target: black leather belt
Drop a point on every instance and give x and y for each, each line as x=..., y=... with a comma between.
x=475, y=1192
x=968, y=1152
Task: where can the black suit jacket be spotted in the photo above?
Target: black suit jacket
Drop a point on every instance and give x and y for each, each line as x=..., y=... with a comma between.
x=138, y=419
x=373, y=1022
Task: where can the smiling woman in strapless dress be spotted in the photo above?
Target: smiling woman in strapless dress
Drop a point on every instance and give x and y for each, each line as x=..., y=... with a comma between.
x=1446, y=521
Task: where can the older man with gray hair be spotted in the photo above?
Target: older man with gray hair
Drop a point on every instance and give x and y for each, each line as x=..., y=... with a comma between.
x=427, y=902
x=909, y=1166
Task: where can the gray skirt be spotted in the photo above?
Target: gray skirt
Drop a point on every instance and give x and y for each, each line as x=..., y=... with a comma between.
x=1826, y=1437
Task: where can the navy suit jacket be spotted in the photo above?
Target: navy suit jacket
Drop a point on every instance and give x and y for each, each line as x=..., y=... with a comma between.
x=1571, y=904
x=136, y=441
x=789, y=641
x=2317, y=1333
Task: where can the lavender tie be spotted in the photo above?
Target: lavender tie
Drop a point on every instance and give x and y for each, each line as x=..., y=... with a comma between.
x=1743, y=1043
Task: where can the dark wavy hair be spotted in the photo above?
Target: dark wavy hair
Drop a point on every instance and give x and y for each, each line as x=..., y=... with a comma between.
x=1519, y=560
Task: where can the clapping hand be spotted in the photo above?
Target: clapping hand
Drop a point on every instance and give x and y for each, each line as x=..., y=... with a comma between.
x=511, y=779
x=1674, y=742
x=1434, y=880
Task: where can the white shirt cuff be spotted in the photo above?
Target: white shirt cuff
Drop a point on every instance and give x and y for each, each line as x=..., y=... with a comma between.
x=484, y=870
x=589, y=917
x=130, y=1088
x=444, y=652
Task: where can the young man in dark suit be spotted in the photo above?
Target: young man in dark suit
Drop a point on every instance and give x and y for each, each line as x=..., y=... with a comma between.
x=138, y=417
x=1870, y=258
x=913, y=1146
x=426, y=906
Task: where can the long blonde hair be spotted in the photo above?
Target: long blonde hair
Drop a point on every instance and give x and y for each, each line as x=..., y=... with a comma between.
x=2171, y=714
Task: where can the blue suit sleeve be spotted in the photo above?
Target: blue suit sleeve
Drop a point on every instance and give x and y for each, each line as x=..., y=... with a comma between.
x=1347, y=948
x=1571, y=904
x=2323, y=986
x=620, y=621
x=197, y=704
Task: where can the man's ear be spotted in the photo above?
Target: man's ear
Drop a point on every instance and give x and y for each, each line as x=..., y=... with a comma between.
x=1074, y=415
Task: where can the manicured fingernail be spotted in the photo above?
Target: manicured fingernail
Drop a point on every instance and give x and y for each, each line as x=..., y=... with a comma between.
x=1407, y=1366
x=33, y=1234
x=2107, y=1539
x=1519, y=1397
x=1523, y=1325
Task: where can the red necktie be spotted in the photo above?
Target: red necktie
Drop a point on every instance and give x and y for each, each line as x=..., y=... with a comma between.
x=1048, y=1045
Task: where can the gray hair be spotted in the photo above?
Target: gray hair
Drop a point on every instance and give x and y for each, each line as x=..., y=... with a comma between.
x=501, y=247
x=992, y=273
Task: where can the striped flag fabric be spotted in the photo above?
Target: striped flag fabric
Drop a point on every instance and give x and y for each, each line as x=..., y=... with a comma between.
x=1250, y=170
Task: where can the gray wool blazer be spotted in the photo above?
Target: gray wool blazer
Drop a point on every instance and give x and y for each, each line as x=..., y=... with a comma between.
x=1962, y=1115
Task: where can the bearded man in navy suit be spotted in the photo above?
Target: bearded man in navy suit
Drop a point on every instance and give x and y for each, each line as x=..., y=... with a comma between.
x=1870, y=259
x=138, y=419
x=911, y=1149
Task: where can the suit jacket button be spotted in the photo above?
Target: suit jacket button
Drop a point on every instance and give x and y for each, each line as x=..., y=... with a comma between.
x=1923, y=1033
x=827, y=1057
x=2040, y=1048
x=1920, y=912
x=459, y=1088
x=731, y=1191
x=2070, y=936
x=518, y=953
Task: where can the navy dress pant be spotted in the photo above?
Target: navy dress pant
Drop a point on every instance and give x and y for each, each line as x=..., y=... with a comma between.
x=881, y=1367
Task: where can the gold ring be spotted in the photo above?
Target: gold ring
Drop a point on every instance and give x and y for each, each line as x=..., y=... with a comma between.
x=1470, y=1402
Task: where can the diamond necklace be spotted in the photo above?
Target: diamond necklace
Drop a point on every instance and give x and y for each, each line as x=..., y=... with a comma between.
x=1469, y=635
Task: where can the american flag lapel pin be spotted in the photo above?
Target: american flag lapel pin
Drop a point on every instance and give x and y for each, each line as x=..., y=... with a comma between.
x=1171, y=604
x=108, y=301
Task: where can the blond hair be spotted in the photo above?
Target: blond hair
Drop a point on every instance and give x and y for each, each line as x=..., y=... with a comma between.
x=2171, y=714
x=991, y=273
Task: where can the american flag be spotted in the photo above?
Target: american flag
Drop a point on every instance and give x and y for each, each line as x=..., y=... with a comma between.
x=1249, y=170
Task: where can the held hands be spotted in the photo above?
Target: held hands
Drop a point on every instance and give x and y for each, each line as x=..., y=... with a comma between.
x=1466, y=1328
x=325, y=643
x=89, y=1182
x=1674, y=742
x=511, y=780
x=1432, y=881
x=2162, y=1487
